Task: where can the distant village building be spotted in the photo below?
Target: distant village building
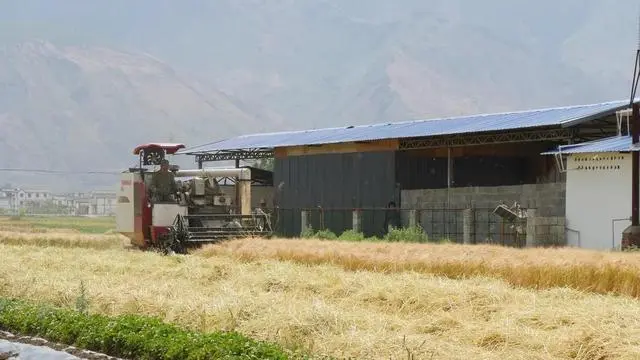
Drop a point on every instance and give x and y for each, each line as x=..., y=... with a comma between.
x=5, y=200
x=94, y=203
x=12, y=200
x=42, y=201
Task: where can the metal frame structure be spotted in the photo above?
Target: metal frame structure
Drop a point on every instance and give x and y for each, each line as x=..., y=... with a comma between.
x=563, y=134
x=259, y=177
x=485, y=139
x=226, y=181
x=239, y=154
x=587, y=129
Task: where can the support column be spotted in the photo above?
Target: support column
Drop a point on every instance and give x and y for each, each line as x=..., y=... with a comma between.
x=238, y=193
x=244, y=187
x=304, y=221
x=468, y=226
x=631, y=235
x=357, y=220
x=413, y=218
x=531, y=228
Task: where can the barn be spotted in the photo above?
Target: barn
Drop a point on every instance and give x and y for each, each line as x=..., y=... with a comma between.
x=447, y=175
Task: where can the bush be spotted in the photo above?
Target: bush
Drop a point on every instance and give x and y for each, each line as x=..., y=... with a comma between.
x=410, y=234
x=308, y=233
x=320, y=234
x=413, y=234
x=326, y=235
x=129, y=336
x=351, y=235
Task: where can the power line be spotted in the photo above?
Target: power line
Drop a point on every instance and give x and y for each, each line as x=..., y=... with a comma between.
x=59, y=172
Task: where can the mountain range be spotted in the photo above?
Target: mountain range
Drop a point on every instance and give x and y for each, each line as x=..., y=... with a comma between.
x=82, y=83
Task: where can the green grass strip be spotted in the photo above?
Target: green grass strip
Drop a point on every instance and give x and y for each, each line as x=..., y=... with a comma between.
x=128, y=336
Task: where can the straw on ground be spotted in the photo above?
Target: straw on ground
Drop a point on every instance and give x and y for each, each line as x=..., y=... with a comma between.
x=599, y=272
x=349, y=299
x=328, y=310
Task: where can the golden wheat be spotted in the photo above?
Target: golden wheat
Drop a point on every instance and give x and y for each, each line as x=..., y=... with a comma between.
x=328, y=310
x=63, y=239
x=57, y=224
x=599, y=272
x=316, y=295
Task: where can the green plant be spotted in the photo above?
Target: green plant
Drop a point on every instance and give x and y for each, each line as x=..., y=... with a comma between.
x=409, y=234
x=82, y=303
x=351, y=235
x=325, y=235
x=308, y=233
x=129, y=336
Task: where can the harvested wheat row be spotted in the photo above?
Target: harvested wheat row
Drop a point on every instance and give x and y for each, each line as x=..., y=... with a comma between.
x=63, y=239
x=591, y=271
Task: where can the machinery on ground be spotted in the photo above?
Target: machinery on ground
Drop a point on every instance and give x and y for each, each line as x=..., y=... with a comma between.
x=515, y=215
x=198, y=212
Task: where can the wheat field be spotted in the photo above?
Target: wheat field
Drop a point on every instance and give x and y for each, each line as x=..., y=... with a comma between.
x=593, y=271
x=353, y=300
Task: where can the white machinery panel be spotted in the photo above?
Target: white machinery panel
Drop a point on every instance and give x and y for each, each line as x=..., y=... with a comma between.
x=198, y=185
x=125, y=203
x=165, y=214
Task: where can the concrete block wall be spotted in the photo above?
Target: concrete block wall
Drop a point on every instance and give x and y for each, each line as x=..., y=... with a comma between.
x=442, y=216
x=551, y=230
x=532, y=231
x=548, y=199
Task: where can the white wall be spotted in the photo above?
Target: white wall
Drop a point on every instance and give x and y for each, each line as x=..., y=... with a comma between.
x=598, y=191
x=5, y=203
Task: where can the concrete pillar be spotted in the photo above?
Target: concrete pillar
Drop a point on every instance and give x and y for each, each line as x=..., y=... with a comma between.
x=531, y=228
x=357, y=221
x=304, y=221
x=245, y=196
x=468, y=226
x=413, y=218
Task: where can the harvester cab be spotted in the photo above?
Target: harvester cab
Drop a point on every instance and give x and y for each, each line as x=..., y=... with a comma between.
x=196, y=211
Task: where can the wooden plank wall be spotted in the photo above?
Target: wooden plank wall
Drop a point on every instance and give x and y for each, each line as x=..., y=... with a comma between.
x=342, y=148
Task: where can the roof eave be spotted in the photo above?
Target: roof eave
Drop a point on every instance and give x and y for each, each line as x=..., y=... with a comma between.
x=591, y=117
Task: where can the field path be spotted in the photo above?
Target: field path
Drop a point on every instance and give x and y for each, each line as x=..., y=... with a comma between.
x=30, y=348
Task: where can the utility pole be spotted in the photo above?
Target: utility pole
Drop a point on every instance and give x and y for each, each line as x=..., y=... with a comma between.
x=635, y=161
x=631, y=235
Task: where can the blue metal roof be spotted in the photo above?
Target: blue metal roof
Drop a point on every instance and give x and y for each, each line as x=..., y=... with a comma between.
x=612, y=144
x=559, y=116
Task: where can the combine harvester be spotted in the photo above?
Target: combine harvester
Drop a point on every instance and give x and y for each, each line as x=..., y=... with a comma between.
x=198, y=213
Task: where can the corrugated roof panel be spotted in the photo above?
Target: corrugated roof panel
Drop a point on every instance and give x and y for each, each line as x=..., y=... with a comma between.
x=417, y=128
x=612, y=144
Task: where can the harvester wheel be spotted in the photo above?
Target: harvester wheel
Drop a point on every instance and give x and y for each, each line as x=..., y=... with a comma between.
x=171, y=244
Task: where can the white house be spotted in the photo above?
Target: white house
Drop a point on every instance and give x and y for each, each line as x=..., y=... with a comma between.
x=598, y=191
x=17, y=198
x=6, y=200
x=94, y=203
x=103, y=203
